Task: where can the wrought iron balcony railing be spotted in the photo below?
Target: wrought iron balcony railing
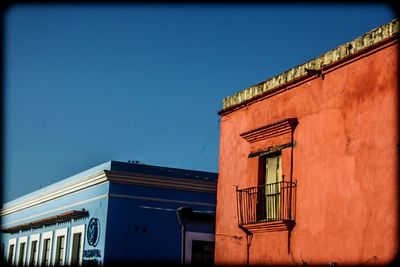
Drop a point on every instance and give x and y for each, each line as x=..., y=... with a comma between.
x=271, y=202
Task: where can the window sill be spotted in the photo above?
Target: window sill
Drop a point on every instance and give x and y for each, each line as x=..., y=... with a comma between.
x=270, y=226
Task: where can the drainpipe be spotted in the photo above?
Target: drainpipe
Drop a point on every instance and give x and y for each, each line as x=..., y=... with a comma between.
x=183, y=214
x=249, y=238
x=293, y=123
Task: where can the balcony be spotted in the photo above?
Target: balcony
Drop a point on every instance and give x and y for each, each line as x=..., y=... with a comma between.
x=268, y=207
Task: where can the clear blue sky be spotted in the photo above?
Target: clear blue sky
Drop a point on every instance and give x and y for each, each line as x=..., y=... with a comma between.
x=85, y=84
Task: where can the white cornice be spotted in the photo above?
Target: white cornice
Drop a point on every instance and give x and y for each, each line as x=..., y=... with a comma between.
x=162, y=181
x=56, y=192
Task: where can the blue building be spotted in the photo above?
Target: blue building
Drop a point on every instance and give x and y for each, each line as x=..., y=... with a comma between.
x=116, y=212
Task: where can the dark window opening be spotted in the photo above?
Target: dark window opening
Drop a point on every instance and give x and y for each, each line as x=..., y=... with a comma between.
x=76, y=248
x=33, y=254
x=10, y=254
x=202, y=252
x=46, y=252
x=21, y=254
x=60, y=251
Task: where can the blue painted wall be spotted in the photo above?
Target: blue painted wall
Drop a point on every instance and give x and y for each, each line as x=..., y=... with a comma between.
x=85, y=199
x=147, y=230
x=137, y=223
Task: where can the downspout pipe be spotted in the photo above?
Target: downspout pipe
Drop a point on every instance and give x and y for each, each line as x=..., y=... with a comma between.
x=249, y=238
x=293, y=124
x=184, y=215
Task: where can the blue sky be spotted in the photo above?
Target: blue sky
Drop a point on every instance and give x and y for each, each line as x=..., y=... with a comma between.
x=84, y=84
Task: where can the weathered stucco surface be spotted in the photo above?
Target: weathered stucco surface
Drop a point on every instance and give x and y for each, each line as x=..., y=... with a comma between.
x=344, y=161
x=370, y=38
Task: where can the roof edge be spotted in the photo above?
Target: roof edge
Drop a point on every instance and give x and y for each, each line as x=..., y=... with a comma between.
x=55, y=192
x=99, y=175
x=62, y=183
x=341, y=52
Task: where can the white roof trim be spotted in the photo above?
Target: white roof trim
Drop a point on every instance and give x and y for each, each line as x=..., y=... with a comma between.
x=56, y=192
x=66, y=188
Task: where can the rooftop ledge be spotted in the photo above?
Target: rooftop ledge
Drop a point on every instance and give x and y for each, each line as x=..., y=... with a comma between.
x=368, y=39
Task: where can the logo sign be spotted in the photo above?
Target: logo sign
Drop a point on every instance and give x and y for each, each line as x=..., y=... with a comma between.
x=93, y=232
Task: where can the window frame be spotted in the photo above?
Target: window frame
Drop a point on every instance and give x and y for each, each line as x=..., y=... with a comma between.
x=12, y=241
x=197, y=236
x=269, y=196
x=74, y=230
x=262, y=169
x=34, y=237
x=21, y=239
x=57, y=234
x=46, y=235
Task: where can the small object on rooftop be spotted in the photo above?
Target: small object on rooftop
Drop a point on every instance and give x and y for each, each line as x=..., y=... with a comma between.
x=313, y=71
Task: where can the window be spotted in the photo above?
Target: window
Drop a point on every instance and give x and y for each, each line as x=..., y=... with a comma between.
x=60, y=244
x=60, y=251
x=76, y=244
x=11, y=254
x=199, y=248
x=33, y=253
x=202, y=252
x=46, y=252
x=11, y=251
x=270, y=175
x=270, y=205
x=272, y=200
x=76, y=247
x=47, y=239
x=21, y=255
x=33, y=250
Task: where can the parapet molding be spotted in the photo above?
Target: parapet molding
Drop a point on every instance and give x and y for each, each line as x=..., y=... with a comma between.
x=314, y=66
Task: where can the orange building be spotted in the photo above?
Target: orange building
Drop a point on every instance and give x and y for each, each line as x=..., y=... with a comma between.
x=308, y=162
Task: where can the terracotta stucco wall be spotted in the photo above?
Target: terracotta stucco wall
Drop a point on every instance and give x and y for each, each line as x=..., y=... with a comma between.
x=345, y=164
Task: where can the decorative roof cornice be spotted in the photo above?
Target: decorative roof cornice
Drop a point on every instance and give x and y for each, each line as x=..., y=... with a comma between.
x=84, y=182
x=161, y=181
x=55, y=192
x=345, y=51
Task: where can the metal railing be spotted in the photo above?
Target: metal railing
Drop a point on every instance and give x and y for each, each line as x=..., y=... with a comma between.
x=270, y=202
